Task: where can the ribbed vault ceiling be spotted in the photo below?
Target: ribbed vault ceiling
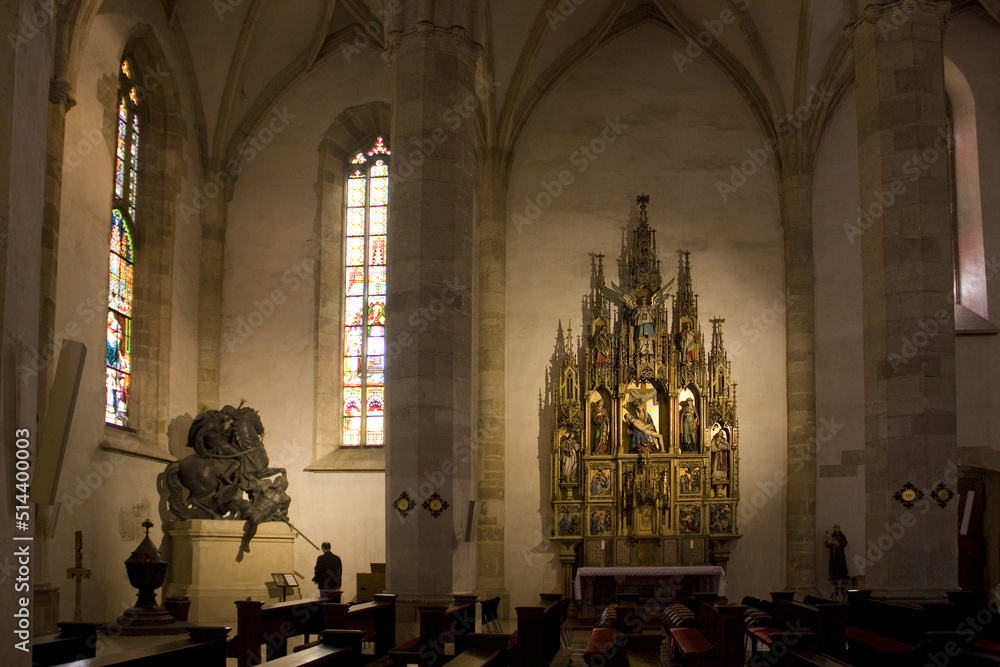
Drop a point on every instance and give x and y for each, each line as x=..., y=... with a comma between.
x=243, y=54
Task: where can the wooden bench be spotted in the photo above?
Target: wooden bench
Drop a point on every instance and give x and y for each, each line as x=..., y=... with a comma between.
x=978, y=625
x=807, y=659
x=272, y=624
x=805, y=626
x=75, y=641
x=376, y=619
x=537, y=638
x=892, y=633
x=204, y=647
x=607, y=647
x=439, y=626
x=336, y=648
x=717, y=638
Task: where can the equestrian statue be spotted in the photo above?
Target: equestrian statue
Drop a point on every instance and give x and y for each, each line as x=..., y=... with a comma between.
x=228, y=476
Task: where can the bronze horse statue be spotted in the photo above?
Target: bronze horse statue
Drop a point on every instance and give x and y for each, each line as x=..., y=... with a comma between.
x=222, y=476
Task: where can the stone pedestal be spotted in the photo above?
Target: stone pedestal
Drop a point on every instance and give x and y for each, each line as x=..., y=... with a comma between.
x=203, y=567
x=46, y=609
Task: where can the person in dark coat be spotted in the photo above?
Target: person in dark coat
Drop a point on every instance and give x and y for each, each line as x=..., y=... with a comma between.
x=328, y=570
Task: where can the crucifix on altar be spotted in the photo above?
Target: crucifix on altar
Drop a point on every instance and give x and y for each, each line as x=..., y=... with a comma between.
x=79, y=573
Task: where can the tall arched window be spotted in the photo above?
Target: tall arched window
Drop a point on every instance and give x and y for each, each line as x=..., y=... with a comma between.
x=366, y=221
x=120, y=264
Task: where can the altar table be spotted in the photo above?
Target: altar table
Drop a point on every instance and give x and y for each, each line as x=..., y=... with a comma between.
x=669, y=582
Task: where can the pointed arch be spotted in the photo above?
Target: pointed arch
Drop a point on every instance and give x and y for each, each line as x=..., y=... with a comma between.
x=353, y=131
x=149, y=180
x=971, y=302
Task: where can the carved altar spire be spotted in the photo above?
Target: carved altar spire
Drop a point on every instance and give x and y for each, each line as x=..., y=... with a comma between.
x=686, y=301
x=687, y=332
x=722, y=396
x=718, y=350
x=642, y=266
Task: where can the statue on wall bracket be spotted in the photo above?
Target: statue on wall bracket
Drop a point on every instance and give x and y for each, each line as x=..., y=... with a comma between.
x=670, y=468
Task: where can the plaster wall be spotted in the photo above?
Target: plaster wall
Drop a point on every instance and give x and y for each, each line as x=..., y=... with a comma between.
x=269, y=312
x=676, y=136
x=107, y=494
x=839, y=363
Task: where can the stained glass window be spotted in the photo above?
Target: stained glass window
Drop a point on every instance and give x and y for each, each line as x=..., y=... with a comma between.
x=118, y=361
x=364, y=301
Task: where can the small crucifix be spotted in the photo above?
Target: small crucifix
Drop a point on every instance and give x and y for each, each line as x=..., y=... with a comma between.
x=79, y=573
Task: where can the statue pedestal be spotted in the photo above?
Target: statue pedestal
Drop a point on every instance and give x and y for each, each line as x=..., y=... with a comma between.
x=203, y=567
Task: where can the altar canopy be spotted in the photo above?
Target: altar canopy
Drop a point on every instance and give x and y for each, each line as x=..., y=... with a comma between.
x=645, y=446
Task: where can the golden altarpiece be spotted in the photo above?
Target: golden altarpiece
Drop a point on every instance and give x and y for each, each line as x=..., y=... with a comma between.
x=645, y=446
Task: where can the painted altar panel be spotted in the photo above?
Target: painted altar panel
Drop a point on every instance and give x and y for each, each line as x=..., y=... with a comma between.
x=645, y=448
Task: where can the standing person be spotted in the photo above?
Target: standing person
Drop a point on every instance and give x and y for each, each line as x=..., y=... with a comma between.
x=328, y=570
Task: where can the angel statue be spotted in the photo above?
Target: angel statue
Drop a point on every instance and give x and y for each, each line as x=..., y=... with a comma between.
x=642, y=314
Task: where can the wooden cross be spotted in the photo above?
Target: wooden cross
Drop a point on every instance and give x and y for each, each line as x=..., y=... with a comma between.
x=79, y=573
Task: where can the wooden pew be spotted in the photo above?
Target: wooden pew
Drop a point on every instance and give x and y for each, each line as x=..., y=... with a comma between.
x=537, y=638
x=336, y=648
x=377, y=619
x=978, y=623
x=75, y=641
x=439, y=626
x=806, y=659
x=273, y=625
x=204, y=647
x=612, y=648
x=717, y=638
x=827, y=621
x=891, y=633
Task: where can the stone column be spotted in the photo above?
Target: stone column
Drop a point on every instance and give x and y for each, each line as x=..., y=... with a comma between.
x=800, y=360
x=213, y=245
x=25, y=69
x=492, y=295
x=60, y=102
x=429, y=447
x=909, y=338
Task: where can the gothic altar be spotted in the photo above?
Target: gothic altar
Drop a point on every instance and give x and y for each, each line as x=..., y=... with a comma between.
x=645, y=446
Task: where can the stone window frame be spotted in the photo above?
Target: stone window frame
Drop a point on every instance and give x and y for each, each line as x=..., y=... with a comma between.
x=971, y=276
x=354, y=130
x=158, y=181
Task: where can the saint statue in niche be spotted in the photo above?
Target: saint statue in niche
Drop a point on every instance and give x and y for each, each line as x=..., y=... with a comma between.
x=687, y=341
x=642, y=431
x=600, y=419
x=570, y=449
x=720, y=455
x=689, y=427
x=601, y=343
